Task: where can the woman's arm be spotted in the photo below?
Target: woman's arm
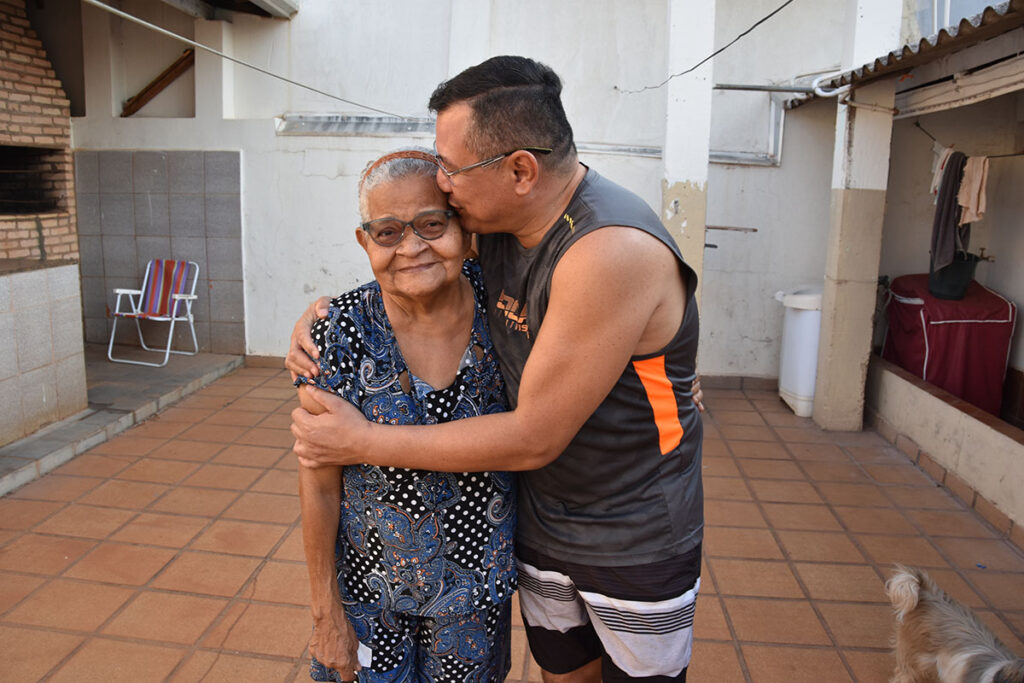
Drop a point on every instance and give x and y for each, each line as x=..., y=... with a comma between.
x=334, y=643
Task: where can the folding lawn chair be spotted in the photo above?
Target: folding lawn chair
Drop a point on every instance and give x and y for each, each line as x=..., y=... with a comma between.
x=167, y=293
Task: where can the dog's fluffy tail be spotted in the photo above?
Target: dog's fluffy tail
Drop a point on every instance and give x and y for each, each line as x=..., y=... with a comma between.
x=904, y=589
x=1012, y=672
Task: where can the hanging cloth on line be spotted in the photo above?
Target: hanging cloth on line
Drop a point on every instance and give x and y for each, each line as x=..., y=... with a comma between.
x=938, y=166
x=947, y=238
x=972, y=190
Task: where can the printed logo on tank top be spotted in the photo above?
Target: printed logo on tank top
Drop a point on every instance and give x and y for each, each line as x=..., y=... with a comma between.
x=514, y=313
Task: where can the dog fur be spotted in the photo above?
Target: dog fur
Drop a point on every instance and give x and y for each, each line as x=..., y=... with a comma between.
x=938, y=640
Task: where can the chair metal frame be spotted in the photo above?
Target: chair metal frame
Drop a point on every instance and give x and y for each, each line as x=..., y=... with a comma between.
x=171, y=301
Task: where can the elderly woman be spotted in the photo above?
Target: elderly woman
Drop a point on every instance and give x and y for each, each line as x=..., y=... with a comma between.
x=411, y=571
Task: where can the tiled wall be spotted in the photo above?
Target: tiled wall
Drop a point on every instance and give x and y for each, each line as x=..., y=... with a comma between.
x=137, y=206
x=42, y=369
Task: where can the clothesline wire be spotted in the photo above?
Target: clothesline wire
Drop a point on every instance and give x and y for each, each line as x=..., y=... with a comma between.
x=710, y=56
x=921, y=128
x=990, y=156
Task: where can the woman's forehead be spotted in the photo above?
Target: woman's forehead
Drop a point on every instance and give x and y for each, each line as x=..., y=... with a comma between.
x=411, y=195
x=420, y=186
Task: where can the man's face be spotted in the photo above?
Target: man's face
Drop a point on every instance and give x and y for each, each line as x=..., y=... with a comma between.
x=472, y=192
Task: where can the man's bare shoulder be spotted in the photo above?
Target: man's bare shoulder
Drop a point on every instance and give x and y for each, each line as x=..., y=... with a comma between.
x=632, y=271
x=619, y=246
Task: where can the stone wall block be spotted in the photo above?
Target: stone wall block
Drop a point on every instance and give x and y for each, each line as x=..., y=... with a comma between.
x=72, y=393
x=185, y=172
x=149, y=172
x=222, y=172
x=33, y=337
x=87, y=171
x=115, y=169
x=8, y=340
x=38, y=398
x=10, y=417
x=152, y=213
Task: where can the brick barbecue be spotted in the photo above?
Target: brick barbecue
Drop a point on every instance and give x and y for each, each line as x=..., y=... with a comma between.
x=37, y=200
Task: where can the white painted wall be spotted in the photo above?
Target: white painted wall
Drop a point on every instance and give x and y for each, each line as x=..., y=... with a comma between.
x=599, y=48
x=800, y=41
x=741, y=323
x=298, y=193
x=788, y=205
x=980, y=129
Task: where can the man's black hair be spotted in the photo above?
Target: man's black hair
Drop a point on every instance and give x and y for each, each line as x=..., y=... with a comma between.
x=516, y=102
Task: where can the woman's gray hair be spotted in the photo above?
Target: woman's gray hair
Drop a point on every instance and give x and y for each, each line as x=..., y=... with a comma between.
x=395, y=165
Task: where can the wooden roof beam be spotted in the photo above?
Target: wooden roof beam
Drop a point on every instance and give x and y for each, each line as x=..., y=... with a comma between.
x=158, y=84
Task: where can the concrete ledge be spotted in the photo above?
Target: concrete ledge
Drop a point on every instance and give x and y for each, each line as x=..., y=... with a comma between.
x=976, y=456
x=30, y=458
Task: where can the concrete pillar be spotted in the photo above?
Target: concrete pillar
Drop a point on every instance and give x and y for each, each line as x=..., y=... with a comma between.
x=860, y=173
x=215, y=76
x=688, y=128
x=97, y=63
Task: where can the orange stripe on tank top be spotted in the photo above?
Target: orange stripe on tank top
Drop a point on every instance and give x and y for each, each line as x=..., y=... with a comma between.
x=662, y=398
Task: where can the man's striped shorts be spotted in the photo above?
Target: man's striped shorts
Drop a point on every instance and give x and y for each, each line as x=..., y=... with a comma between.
x=638, y=619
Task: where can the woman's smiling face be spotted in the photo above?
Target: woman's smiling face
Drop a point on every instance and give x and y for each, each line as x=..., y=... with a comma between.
x=414, y=268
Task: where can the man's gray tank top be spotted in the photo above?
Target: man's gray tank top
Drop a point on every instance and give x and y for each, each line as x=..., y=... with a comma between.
x=627, y=490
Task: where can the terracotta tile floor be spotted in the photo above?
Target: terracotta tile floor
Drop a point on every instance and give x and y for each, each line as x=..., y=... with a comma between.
x=174, y=552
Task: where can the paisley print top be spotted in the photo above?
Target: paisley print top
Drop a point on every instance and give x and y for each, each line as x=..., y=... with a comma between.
x=417, y=541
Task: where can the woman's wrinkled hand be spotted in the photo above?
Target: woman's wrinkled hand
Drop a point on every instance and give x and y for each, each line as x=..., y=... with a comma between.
x=334, y=643
x=302, y=352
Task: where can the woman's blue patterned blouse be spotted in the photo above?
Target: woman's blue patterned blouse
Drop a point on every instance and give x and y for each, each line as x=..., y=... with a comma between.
x=417, y=541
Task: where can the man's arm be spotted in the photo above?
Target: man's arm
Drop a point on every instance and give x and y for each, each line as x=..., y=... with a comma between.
x=607, y=293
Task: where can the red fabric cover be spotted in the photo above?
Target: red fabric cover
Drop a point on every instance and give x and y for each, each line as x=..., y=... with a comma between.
x=961, y=346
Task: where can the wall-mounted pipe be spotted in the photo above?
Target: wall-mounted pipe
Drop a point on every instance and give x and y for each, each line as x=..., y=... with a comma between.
x=765, y=88
x=816, y=85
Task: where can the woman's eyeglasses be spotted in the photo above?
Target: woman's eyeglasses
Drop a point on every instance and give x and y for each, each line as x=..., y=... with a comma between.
x=429, y=225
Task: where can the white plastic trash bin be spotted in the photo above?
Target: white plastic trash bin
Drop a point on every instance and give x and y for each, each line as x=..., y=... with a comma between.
x=798, y=366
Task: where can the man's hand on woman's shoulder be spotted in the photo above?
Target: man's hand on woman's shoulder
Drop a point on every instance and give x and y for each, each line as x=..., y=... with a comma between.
x=302, y=352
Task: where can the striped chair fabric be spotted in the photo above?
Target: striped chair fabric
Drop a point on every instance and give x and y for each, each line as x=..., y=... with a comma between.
x=164, y=278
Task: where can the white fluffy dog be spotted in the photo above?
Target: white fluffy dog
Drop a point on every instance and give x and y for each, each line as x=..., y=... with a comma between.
x=939, y=640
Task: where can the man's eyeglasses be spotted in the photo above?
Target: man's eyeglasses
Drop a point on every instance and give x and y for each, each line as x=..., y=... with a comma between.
x=429, y=225
x=486, y=162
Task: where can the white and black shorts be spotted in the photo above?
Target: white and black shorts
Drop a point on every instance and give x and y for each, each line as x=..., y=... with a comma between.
x=637, y=619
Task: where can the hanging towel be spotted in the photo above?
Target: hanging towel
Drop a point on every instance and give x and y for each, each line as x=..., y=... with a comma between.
x=938, y=166
x=972, y=190
x=946, y=238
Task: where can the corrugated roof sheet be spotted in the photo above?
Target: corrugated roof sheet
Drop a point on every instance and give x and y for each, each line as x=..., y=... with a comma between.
x=993, y=21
